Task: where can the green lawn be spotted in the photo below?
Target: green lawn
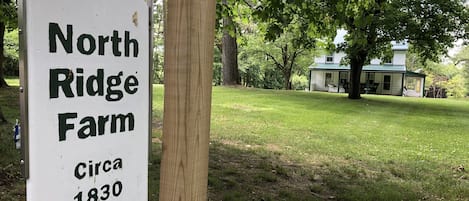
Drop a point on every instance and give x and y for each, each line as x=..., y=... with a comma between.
x=376, y=148
x=12, y=187
x=287, y=145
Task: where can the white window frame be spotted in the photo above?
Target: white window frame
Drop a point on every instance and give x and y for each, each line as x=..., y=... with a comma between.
x=331, y=57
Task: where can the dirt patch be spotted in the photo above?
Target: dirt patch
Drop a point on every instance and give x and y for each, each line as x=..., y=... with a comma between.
x=156, y=140
x=245, y=108
x=240, y=145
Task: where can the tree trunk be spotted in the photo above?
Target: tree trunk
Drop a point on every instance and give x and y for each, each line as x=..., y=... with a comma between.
x=287, y=82
x=356, y=66
x=289, y=68
x=229, y=54
x=3, y=83
x=286, y=68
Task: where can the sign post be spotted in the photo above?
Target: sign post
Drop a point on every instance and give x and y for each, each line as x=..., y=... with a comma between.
x=189, y=38
x=86, y=99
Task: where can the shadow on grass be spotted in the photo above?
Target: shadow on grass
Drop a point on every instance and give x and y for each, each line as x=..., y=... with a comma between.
x=241, y=172
x=245, y=173
x=12, y=186
x=238, y=172
x=420, y=105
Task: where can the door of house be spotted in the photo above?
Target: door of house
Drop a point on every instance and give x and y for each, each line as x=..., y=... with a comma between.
x=343, y=80
x=387, y=84
x=328, y=80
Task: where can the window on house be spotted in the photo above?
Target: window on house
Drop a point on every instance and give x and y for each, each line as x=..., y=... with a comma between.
x=328, y=79
x=387, y=82
x=330, y=58
x=370, y=77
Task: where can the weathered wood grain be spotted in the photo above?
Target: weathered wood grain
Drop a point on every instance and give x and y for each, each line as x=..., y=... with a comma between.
x=188, y=60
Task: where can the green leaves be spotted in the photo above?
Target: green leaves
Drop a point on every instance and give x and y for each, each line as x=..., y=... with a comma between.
x=8, y=14
x=430, y=25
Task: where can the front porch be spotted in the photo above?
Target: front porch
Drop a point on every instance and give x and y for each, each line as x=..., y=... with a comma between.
x=370, y=83
x=374, y=79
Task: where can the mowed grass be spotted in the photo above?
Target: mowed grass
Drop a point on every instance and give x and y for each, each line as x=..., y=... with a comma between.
x=288, y=145
x=376, y=148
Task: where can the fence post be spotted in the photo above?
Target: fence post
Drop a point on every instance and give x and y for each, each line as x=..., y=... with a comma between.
x=189, y=38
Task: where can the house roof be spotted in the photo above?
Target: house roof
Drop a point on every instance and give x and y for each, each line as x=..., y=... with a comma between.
x=380, y=68
x=414, y=74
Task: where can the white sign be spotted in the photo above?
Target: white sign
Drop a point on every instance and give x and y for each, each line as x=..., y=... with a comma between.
x=88, y=99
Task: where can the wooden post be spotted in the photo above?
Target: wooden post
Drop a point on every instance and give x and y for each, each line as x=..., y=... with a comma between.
x=189, y=38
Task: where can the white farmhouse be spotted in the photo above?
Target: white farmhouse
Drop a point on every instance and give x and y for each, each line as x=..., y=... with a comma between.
x=379, y=77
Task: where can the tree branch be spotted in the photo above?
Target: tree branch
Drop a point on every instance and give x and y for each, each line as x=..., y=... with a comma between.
x=249, y=4
x=275, y=61
x=292, y=61
x=460, y=61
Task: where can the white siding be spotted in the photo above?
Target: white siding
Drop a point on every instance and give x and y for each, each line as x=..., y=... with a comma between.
x=320, y=59
x=338, y=57
x=318, y=80
x=399, y=58
x=396, y=84
x=335, y=78
x=422, y=86
x=317, y=77
x=379, y=79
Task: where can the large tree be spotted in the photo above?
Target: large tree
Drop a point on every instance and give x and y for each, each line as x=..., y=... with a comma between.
x=285, y=56
x=158, y=41
x=7, y=22
x=431, y=26
x=285, y=51
x=228, y=46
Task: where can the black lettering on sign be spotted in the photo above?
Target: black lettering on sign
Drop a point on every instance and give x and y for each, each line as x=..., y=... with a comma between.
x=55, y=32
x=102, y=193
x=115, y=43
x=63, y=80
x=83, y=170
x=60, y=78
x=64, y=126
x=86, y=43
x=91, y=44
x=91, y=126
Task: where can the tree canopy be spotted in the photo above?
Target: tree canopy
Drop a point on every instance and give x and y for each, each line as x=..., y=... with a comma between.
x=431, y=26
x=8, y=21
x=462, y=59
